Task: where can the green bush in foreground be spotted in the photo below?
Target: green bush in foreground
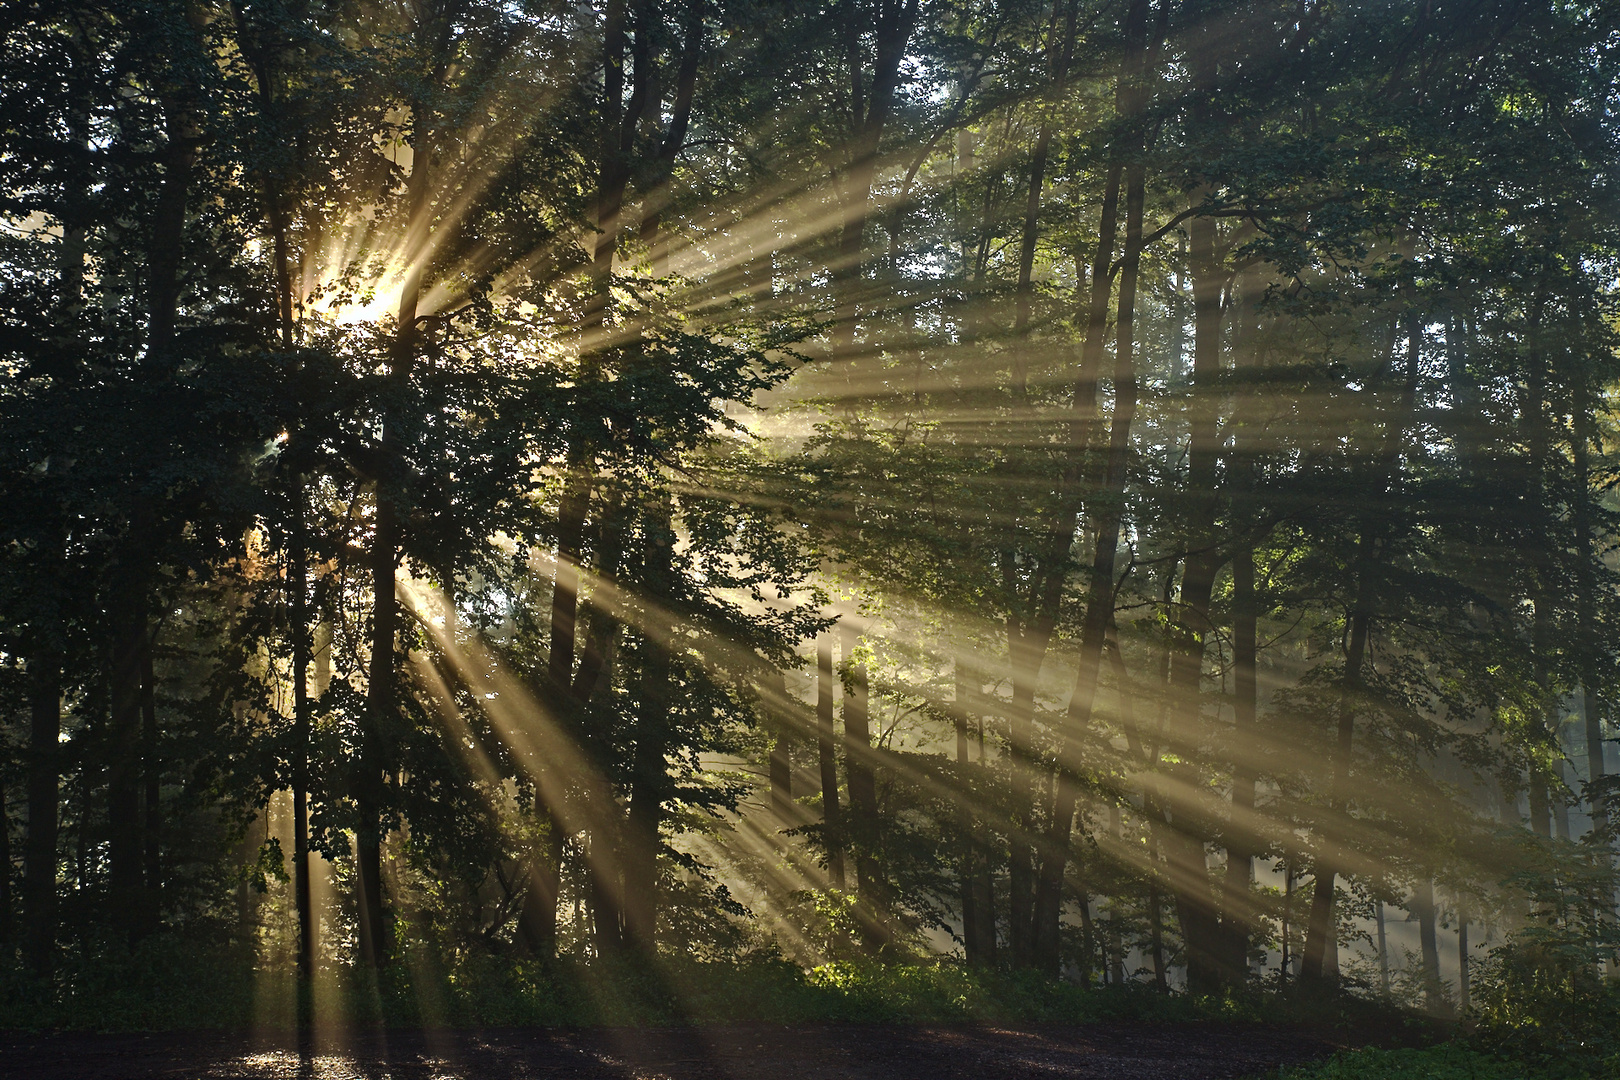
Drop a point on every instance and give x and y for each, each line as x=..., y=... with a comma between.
x=1446, y=1062
x=1451, y=1061
x=1542, y=999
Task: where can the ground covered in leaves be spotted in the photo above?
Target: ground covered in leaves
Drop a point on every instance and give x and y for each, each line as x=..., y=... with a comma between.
x=1120, y=1051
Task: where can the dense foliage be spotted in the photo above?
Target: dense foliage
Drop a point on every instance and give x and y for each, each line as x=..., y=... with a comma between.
x=1113, y=490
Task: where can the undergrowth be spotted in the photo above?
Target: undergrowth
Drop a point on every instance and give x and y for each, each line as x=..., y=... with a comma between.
x=168, y=985
x=1450, y=1061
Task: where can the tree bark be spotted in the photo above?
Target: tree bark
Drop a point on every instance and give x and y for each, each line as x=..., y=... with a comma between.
x=1195, y=904
x=781, y=762
x=298, y=616
x=1589, y=559
x=125, y=892
x=1462, y=963
x=827, y=751
x=870, y=108
x=40, y=848
x=978, y=895
x=649, y=769
x=1108, y=515
x=152, y=762
x=865, y=828
x=674, y=140
x=1243, y=845
x=1428, y=942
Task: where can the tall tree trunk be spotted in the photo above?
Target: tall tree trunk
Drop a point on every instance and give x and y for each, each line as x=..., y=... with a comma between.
x=40, y=848
x=1423, y=907
x=165, y=248
x=264, y=59
x=649, y=786
x=865, y=828
x=602, y=627
x=126, y=902
x=1195, y=905
x=1321, y=955
x=870, y=107
x=1060, y=46
x=6, y=922
x=381, y=707
x=1462, y=962
x=1107, y=515
x=781, y=760
x=382, y=704
x=152, y=763
x=965, y=861
x=827, y=751
x=298, y=616
x=674, y=140
x=1383, y=950
x=1238, y=916
x=1588, y=561
x=978, y=893
x=1027, y=650
x=1537, y=436
x=1029, y=636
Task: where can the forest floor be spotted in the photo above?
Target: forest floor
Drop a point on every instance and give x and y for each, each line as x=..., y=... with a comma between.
x=1116, y=1051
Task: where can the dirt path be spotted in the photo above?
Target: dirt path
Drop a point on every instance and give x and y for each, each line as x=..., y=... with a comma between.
x=730, y=1052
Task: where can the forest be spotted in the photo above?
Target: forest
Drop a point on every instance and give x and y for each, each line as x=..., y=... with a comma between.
x=524, y=511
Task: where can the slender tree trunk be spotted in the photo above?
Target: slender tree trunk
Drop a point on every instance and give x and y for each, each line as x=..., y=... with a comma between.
x=1027, y=639
x=1197, y=908
x=1243, y=845
x=6, y=921
x=1428, y=942
x=781, y=761
x=1108, y=516
x=1586, y=553
x=152, y=762
x=1383, y=952
x=1027, y=651
x=871, y=103
x=965, y=858
x=1283, y=970
x=827, y=744
x=1035, y=910
x=382, y=704
x=1238, y=915
x=298, y=616
x=1321, y=956
x=1025, y=292
x=1542, y=628
x=1195, y=904
x=40, y=848
x=978, y=893
x=126, y=902
x=265, y=65
x=1161, y=980
x=674, y=140
x=380, y=717
x=166, y=245
x=863, y=809
x=1462, y=963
